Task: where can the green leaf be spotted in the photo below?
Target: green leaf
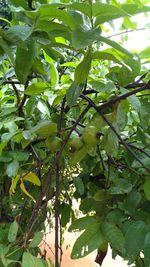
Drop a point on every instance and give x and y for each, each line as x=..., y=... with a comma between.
x=17, y=34
x=7, y=49
x=110, y=142
x=13, y=230
x=73, y=93
x=24, y=190
x=134, y=239
x=81, y=38
x=105, y=12
x=79, y=185
x=105, y=56
x=82, y=223
x=82, y=70
x=146, y=187
x=33, y=178
x=114, y=236
x=147, y=250
x=50, y=11
x=121, y=186
x=36, y=88
x=54, y=76
x=114, y=45
x=83, y=8
x=45, y=128
x=30, y=261
x=78, y=155
x=12, y=168
x=91, y=239
x=38, y=236
x=65, y=214
x=25, y=60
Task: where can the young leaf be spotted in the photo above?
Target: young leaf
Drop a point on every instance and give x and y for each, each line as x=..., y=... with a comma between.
x=24, y=190
x=36, y=88
x=25, y=60
x=31, y=177
x=91, y=239
x=13, y=230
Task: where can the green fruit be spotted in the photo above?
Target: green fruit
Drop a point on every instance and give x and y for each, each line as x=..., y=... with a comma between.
x=90, y=135
x=45, y=129
x=75, y=143
x=53, y=143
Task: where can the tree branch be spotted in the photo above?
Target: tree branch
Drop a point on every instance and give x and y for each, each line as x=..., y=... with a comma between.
x=92, y=104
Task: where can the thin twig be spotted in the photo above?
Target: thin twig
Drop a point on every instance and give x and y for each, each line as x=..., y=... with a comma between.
x=115, y=132
x=125, y=32
x=47, y=184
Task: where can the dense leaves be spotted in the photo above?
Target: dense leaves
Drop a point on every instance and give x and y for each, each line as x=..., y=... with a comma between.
x=74, y=128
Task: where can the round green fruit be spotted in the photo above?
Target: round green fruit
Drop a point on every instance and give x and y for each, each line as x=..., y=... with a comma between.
x=75, y=143
x=53, y=143
x=90, y=135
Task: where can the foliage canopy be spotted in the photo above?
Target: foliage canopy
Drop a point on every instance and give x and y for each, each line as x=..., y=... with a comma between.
x=74, y=124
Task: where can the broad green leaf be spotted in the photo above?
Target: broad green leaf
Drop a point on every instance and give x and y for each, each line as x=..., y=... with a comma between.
x=105, y=12
x=79, y=185
x=83, y=8
x=36, y=240
x=113, y=235
x=13, y=230
x=65, y=214
x=145, y=53
x=121, y=116
x=45, y=128
x=147, y=250
x=110, y=142
x=82, y=223
x=91, y=239
x=24, y=190
x=121, y=186
x=134, y=239
x=17, y=34
x=81, y=38
x=132, y=201
x=32, y=177
x=50, y=11
x=114, y=45
x=105, y=56
x=12, y=168
x=31, y=261
x=82, y=70
x=39, y=67
x=37, y=88
x=73, y=93
x=146, y=187
x=25, y=60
